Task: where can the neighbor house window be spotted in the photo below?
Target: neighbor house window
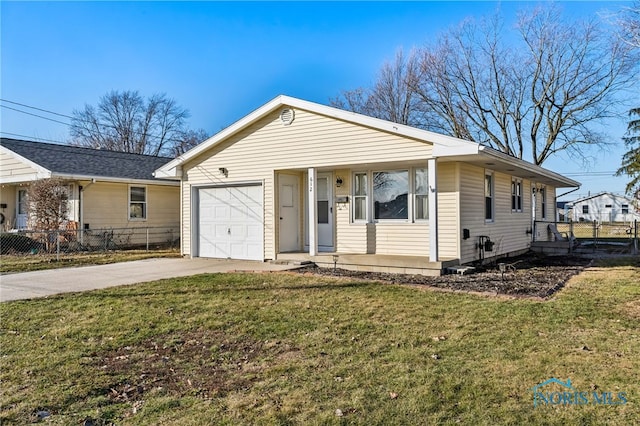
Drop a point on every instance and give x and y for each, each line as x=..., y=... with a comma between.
x=421, y=204
x=585, y=209
x=360, y=197
x=488, y=196
x=625, y=209
x=390, y=195
x=137, y=202
x=543, y=196
x=516, y=195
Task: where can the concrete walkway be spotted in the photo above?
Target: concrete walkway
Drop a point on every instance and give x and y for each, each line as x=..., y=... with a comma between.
x=28, y=285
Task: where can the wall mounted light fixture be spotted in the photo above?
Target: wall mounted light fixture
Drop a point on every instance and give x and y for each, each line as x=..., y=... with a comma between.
x=338, y=181
x=223, y=171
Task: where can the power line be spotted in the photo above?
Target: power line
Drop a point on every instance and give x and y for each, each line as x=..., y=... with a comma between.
x=38, y=109
x=72, y=118
x=34, y=137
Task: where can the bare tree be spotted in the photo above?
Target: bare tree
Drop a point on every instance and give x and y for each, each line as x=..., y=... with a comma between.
x=392, y=97
x=124, y=121
x=537, y=94
x=47, y=200
x=188, y=140
x=628, y=21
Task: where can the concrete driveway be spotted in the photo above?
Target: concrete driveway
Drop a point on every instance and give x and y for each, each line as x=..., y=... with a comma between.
x=28, y=285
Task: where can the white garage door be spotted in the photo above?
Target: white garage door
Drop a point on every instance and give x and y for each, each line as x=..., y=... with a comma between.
x=230, y=222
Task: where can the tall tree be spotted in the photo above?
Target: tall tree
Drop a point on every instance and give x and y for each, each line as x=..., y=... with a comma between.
x=628, y=21
x=533, y=94
x=125, y=121
x=631, y=159
x=392, y=96
x=188, y=140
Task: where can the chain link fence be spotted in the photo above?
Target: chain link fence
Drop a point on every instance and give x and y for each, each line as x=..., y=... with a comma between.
x=623, y=235
x=63, y=241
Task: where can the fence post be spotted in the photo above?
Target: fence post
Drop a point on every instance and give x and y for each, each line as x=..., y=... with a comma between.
x=571, y=237
x=595, y=235
x=58, y=246
x=147, y=238
x=635, y=236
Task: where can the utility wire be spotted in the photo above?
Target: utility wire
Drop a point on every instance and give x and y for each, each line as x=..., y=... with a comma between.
x=72, y=118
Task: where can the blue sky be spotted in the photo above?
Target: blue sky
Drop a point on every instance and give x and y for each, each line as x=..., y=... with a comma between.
x=223, y=60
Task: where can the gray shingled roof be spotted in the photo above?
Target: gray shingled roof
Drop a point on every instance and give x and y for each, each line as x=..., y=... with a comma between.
x=73, y=160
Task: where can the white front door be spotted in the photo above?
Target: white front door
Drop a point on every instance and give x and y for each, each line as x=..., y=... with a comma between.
x=230, y=222
x=22, y=210
x=324, y=195
x=289, y=219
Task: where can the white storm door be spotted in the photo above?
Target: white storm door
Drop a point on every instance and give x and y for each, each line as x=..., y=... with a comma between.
x=289, y=219
x=22, y=210
x=231, y=222
x=324, y=196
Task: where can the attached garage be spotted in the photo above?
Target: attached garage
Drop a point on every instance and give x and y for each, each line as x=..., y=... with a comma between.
x=230, y=222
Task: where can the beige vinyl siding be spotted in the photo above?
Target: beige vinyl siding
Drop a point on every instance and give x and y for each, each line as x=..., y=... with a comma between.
x=14, y=170
x=8, y=196
x=312, y=140
x=106, y=205
x=449, y=233
x=508, y=230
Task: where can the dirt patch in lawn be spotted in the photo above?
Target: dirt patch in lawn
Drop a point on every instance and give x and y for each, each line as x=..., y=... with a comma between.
x=530, y=275
x=203, y=363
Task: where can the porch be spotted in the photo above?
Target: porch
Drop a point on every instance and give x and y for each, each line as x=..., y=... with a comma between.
x=414, y=265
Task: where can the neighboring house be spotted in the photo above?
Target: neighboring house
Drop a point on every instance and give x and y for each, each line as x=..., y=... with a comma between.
x=299, y=177
x=603, y=207
x=107, y=189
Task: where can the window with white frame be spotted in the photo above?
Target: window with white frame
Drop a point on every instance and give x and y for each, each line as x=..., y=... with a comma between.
x=391, y=195
x=543, y=196
x=625, y=209
x=360, y=197
x=388, y=195
x=488, y=196
x=421, y=203
x=516, y=195
x=137, y=202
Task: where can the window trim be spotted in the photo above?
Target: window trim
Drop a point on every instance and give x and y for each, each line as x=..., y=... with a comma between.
x=624, y=208
x=145, y=204
x=516, y=195
x=585, y=209
x=414, y=193
x=492, y=218
x=369, y=203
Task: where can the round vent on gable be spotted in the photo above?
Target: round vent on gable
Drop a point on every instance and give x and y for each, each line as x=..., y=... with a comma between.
x=286, y=116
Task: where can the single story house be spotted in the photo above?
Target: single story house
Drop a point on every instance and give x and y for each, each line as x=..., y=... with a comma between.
x=106, y=189
x=603, y=207
x=300, y=180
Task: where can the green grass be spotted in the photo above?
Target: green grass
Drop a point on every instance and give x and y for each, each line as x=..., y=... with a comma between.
x=290, y=349
x=37, y=262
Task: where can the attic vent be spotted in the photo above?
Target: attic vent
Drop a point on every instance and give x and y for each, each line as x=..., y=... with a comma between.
x=286, y=116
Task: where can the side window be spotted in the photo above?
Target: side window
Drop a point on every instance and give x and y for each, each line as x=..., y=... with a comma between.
x=421, y=203
x=488, y=196
x=625, y=209
x=360, y=197
x=543, y=195
x=137, y=202
x=585, y=209
x=516, y=195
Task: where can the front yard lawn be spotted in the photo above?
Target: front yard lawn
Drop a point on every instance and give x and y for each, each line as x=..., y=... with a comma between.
x=284, y=348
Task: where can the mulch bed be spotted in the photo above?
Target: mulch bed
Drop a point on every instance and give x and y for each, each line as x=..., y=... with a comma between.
x=530, y=275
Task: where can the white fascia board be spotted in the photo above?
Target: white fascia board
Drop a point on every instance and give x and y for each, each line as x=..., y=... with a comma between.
x=563, y=182
x=171, y=169
x=118, y=180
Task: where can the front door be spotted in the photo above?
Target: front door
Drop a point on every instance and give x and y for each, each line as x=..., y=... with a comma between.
x=324, y=194
x=289, y=213
x=22, y=211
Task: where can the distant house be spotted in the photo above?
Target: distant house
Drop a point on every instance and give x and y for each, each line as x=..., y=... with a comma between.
x=299, y=180
x=603, y=207
x=107, y=189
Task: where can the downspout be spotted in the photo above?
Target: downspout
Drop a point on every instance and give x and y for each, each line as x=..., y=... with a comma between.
x=81, y=197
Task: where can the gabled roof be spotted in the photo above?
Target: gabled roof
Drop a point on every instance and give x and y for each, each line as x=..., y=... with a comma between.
x=446, y=148
x=600, y=194
x=74, y=162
